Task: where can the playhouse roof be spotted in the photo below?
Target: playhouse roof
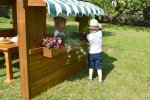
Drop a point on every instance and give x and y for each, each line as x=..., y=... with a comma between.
x=73, y=7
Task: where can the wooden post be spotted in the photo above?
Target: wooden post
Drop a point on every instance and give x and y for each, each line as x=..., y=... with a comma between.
x=14, y=17
x=83, y=22
x=23, y=48
x=31, y=24
x=9, y=75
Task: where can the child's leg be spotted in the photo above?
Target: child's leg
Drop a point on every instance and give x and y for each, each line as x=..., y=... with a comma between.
x=98, y=64
x=90, y=66
x=99, y=71
x=90, y=73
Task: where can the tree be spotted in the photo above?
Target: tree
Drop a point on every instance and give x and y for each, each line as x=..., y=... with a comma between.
x=107, y=6
x=115, y=8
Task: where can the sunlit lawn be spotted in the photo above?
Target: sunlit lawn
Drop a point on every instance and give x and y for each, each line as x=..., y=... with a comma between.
x=5, y=23
x=126, y=61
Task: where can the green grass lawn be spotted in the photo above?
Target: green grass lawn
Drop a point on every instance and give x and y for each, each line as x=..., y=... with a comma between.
x=5, y=23
x=126, y=71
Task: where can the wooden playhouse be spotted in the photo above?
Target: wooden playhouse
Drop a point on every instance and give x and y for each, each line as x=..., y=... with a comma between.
x=29, y=21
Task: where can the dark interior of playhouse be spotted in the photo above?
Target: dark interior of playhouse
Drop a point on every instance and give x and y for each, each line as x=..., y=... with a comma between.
x=29, y=21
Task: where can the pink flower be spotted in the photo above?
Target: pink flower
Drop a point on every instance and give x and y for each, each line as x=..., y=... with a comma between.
x=59, y=40
x=52, y=42
x=58, y=45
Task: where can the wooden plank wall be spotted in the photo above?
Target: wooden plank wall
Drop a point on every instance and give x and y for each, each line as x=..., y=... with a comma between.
x=35, y=30
x=36, y=25
x=47, y=72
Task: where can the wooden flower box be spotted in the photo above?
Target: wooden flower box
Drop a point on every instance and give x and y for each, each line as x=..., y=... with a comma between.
x=53, y=52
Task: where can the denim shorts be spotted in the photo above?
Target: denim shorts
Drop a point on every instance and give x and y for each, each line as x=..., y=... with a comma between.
x=95, y=60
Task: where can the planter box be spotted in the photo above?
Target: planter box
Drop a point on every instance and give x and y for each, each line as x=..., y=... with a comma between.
x=53, y=52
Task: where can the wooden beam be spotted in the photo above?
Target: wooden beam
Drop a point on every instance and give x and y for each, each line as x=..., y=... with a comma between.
x=36, y=50
x=14, y=16
x=83, y=22
x=36, y=3
x=5, y=2
x=23, y=48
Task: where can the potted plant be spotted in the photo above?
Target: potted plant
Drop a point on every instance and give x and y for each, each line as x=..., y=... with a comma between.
x=52, y=47
x=58, y=45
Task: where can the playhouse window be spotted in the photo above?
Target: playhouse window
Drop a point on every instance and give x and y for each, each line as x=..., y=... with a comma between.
x=8, y=21
x=70, y=27
x=6, y=17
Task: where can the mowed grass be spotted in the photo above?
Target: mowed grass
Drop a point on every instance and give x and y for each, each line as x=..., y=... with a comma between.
x=126, y=71
x=5, y=23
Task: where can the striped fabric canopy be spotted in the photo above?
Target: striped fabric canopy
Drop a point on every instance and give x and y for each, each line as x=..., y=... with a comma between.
x=72, y=7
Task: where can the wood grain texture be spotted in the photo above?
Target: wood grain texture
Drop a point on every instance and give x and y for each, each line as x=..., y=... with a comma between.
x=53, y=52
x=36, y=50
x=36, y=56
x=23, y=48
x=5, y=2
x=36, y=25
x=8, y=49
x=47, y=72
x=36, y=3
x=48, y=66
x=7, y=32
x=14, y=16
x=56, y=77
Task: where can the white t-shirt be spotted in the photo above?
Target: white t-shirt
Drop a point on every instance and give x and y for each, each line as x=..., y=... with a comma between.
x=95, y=42
x=58, y=33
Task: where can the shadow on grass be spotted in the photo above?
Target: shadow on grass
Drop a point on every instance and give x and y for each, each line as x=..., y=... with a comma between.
x=106, y=33
x=108, y=66
x=16, y=65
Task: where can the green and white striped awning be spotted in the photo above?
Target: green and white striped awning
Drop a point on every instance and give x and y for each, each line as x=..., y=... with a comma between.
x=73, y=7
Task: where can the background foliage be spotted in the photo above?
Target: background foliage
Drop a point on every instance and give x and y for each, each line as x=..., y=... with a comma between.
x=133, y=12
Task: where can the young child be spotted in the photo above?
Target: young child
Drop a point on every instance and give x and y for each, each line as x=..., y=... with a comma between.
x=95, y=49
x=60, y=23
